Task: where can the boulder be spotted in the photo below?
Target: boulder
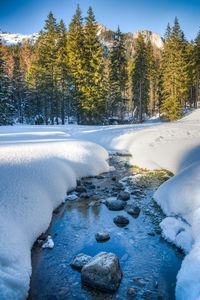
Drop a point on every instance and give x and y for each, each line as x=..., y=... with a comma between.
x=124, y=196
x=121, y=220
x=133, y=210
x=81, y=189
x=102, y=236
x=115, y=204
x=102, y=272
x=80, y=260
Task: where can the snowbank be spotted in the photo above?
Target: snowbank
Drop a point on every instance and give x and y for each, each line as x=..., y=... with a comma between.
x=176, y=147
x=34, y=178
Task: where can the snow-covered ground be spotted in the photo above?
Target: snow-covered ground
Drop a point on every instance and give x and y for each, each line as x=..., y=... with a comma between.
x=39, y=164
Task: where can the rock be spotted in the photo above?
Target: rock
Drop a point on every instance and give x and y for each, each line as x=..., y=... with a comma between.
x=115, y=204
x=120, y=185
x=124, y=196
x=102, y=236
x=91, y=187
x=151, y=233
x=78, y=182
x=114, y=178
x=49, y=244
x=132, y=291
x=121, y=220
x=156, y=284
x=102, y=272
x=100, y=177
x=88, y=182
x=71, y=197
x=133, y=210
x=81, y=189
x=84, y=196
x=158, y=231
x=80, y=260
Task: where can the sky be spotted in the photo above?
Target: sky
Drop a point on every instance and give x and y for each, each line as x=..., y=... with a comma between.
x=28, y=16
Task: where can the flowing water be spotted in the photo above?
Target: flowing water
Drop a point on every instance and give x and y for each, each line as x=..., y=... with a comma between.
x=148, y=262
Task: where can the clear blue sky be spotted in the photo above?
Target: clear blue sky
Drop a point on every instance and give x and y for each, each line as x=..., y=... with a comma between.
x=27, y=16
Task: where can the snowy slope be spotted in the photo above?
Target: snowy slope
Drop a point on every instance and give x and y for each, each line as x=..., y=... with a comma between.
x=35, y=173
x=15, y=38
x=38, y=164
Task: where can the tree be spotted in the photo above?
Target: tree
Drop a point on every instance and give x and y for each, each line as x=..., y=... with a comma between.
x=94, y=88
x=77, y=60
x=44, y=69
x=6, y=105
x=63, y=77
x=175, y=73
x=140, y=78
x=197, y=67
x=153, y=71
x=118, y=75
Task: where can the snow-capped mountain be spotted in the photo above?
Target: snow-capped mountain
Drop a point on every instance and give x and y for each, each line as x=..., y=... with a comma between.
x=15, y=38
x=105, y=36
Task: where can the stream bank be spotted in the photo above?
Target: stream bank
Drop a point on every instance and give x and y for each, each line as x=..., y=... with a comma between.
x=148, y=262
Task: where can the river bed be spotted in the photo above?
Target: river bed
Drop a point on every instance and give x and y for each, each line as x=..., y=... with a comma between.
x=148, y=262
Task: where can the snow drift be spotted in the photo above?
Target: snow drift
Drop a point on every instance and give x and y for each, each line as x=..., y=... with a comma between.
x=176, y=147
x=34, y=178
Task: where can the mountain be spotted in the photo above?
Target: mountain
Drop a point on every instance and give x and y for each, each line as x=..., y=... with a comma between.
x=17, y=38
x=106, y=36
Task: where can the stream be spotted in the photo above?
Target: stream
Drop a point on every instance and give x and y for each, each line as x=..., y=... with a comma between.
x=148, y=262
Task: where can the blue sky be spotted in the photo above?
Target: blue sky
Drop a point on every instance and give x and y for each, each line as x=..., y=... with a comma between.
x=27, y=16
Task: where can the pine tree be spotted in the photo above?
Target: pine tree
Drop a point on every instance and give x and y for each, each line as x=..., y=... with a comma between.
x=175, y=73
x=118, y=76
x=197, y=67
x=94, y=88
x=63, y=77
x=19, y=89
x=140, y=78
x=153, y=79
x=6, y=105
x=77, y=60
x=45, y=69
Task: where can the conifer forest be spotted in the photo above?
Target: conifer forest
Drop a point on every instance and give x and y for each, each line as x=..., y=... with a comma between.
x=67, y=76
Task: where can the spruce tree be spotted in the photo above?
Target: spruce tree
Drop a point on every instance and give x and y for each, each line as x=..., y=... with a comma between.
x=175, y=73
x=63, y=76
x=77, y=60
x=118, y=76
x=153, y=68
x=140, y=78
x=94, y=89
x=197, y=67
x=45, y=69
x=19, y=90
x=6, y=105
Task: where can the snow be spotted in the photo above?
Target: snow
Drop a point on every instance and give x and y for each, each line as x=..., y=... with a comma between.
x=49, y=244
x=36, y=170
x=40, y=163
x=15, y=38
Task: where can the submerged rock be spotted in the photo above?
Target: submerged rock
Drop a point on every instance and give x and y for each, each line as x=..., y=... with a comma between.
x=115, y=204
x=102, y=236
x=84, y=196
x=121, y=220
x=132, y=291
x=124, y=196
x=80, y=260
x=102, y=272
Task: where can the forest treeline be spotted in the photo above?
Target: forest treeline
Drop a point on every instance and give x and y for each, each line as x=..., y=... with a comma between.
x=67, y=76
